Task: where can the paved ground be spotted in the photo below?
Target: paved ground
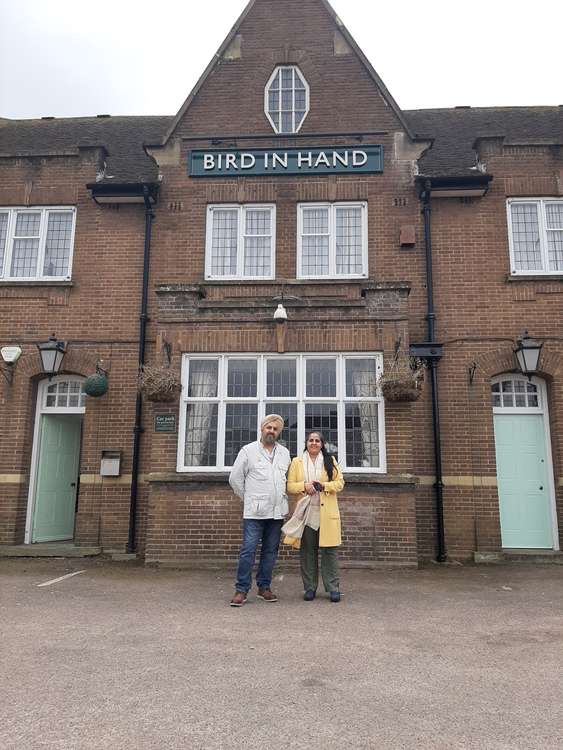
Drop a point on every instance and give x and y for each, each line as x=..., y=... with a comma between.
x=122, y=657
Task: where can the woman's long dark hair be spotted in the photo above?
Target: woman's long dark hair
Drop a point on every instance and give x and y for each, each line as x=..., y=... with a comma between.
x=327, y=457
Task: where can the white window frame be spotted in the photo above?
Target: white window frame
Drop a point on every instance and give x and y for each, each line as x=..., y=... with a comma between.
x=543, y=230
x=296, y=71
x=12, y=212
x=300, y=399
x=242, y=208
x=332, y=274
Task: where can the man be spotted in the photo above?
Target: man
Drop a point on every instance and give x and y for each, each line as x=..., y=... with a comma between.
x=258, y=477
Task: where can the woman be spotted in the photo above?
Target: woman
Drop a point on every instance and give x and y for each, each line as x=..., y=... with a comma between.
x=318, y=475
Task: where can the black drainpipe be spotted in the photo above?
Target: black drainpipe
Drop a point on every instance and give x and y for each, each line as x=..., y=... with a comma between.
x=433, y=364
x=143, y=319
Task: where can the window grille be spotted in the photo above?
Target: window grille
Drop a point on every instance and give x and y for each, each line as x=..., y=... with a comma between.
x=286, y=99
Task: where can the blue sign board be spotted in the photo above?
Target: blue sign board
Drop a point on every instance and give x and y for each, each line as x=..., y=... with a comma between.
x=263, y=162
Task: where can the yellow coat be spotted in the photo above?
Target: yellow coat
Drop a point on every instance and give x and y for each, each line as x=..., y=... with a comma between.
x=329, y=531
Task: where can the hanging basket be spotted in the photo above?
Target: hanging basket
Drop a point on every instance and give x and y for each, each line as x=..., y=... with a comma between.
x=403, y=380
x=159, y=384
x=96, y=385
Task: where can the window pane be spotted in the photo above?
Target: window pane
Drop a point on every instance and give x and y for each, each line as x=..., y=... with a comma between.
x=349, y=240
x=242, y=379
x=258, y=222
x=203, y=376
x=289, y=434
x=286, y=122
x=224, y=242
x=526, y=237
x=24, y=258
x=273, y=100
x=258, y=243
x=201, y=434
x=362, y=437
x=321, y=378
x=287, y=101
x=257, y=256
x=62, y=394
x=361, y=378
x=281, y=378
x=287, y=78
x=554, y=219
x=315, y=256
x=300, y=99
x=57, y=247
x=324, y=418
x=315, y=221
x=3, y=233
x=299, y=117
x=241, y=427
x=28, y=224
x=554, y=215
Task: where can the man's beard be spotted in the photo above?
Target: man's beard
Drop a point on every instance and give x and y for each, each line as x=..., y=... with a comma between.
x=268, y=439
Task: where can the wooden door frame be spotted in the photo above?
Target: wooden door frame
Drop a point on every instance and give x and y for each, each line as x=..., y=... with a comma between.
x=40, y=410
x=543, y=411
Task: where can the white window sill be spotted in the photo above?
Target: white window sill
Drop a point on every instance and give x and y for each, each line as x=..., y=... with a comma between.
x=36, y=282
x=535, y=277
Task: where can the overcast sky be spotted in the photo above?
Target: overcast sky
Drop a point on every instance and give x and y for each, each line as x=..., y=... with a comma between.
x=80, y=57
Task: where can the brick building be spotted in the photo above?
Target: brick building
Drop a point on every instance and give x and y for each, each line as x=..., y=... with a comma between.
x=289, y=177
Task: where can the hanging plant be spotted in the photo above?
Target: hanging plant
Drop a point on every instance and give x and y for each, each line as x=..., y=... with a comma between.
x=96, y=385
x=403, y=378
x=159, y=384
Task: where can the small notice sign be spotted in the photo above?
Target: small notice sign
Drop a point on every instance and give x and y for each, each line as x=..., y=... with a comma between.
x=165, y=423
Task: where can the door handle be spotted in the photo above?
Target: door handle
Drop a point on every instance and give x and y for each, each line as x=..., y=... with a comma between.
x=73, y=484
x=541, y=488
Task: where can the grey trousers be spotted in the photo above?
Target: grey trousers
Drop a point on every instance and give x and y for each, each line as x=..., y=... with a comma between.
x=309, y=559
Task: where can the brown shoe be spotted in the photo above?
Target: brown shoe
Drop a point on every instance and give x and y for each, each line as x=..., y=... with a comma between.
x=238, y=599
x=267, y=595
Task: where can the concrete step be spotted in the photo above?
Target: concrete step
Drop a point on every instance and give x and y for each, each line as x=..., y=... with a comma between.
x=540, y=556
x=50, y=549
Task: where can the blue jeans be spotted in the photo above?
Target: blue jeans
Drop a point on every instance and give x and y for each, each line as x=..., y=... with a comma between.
x=254, y=531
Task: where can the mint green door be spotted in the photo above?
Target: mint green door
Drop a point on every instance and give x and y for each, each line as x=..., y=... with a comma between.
x=57, y=477
x=523, y=487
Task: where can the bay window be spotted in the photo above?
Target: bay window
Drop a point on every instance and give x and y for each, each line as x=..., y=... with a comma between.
x=224, y=397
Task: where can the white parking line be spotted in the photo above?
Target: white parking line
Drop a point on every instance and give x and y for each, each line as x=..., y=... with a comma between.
x=62, y=578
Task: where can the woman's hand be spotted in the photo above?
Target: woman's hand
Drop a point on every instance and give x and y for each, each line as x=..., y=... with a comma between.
x=309, y=488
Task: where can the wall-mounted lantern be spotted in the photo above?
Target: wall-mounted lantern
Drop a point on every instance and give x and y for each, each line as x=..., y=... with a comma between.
x=280, y=319
x=52, y=353
x=527, y=354
x=10, y=355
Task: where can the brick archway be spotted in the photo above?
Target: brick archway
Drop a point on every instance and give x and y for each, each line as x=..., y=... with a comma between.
x=76, y=362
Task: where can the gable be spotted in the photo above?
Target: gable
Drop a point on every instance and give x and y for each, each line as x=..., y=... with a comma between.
x=346, y=95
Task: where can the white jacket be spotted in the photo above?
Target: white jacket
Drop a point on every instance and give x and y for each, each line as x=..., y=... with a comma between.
x=261, y=483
